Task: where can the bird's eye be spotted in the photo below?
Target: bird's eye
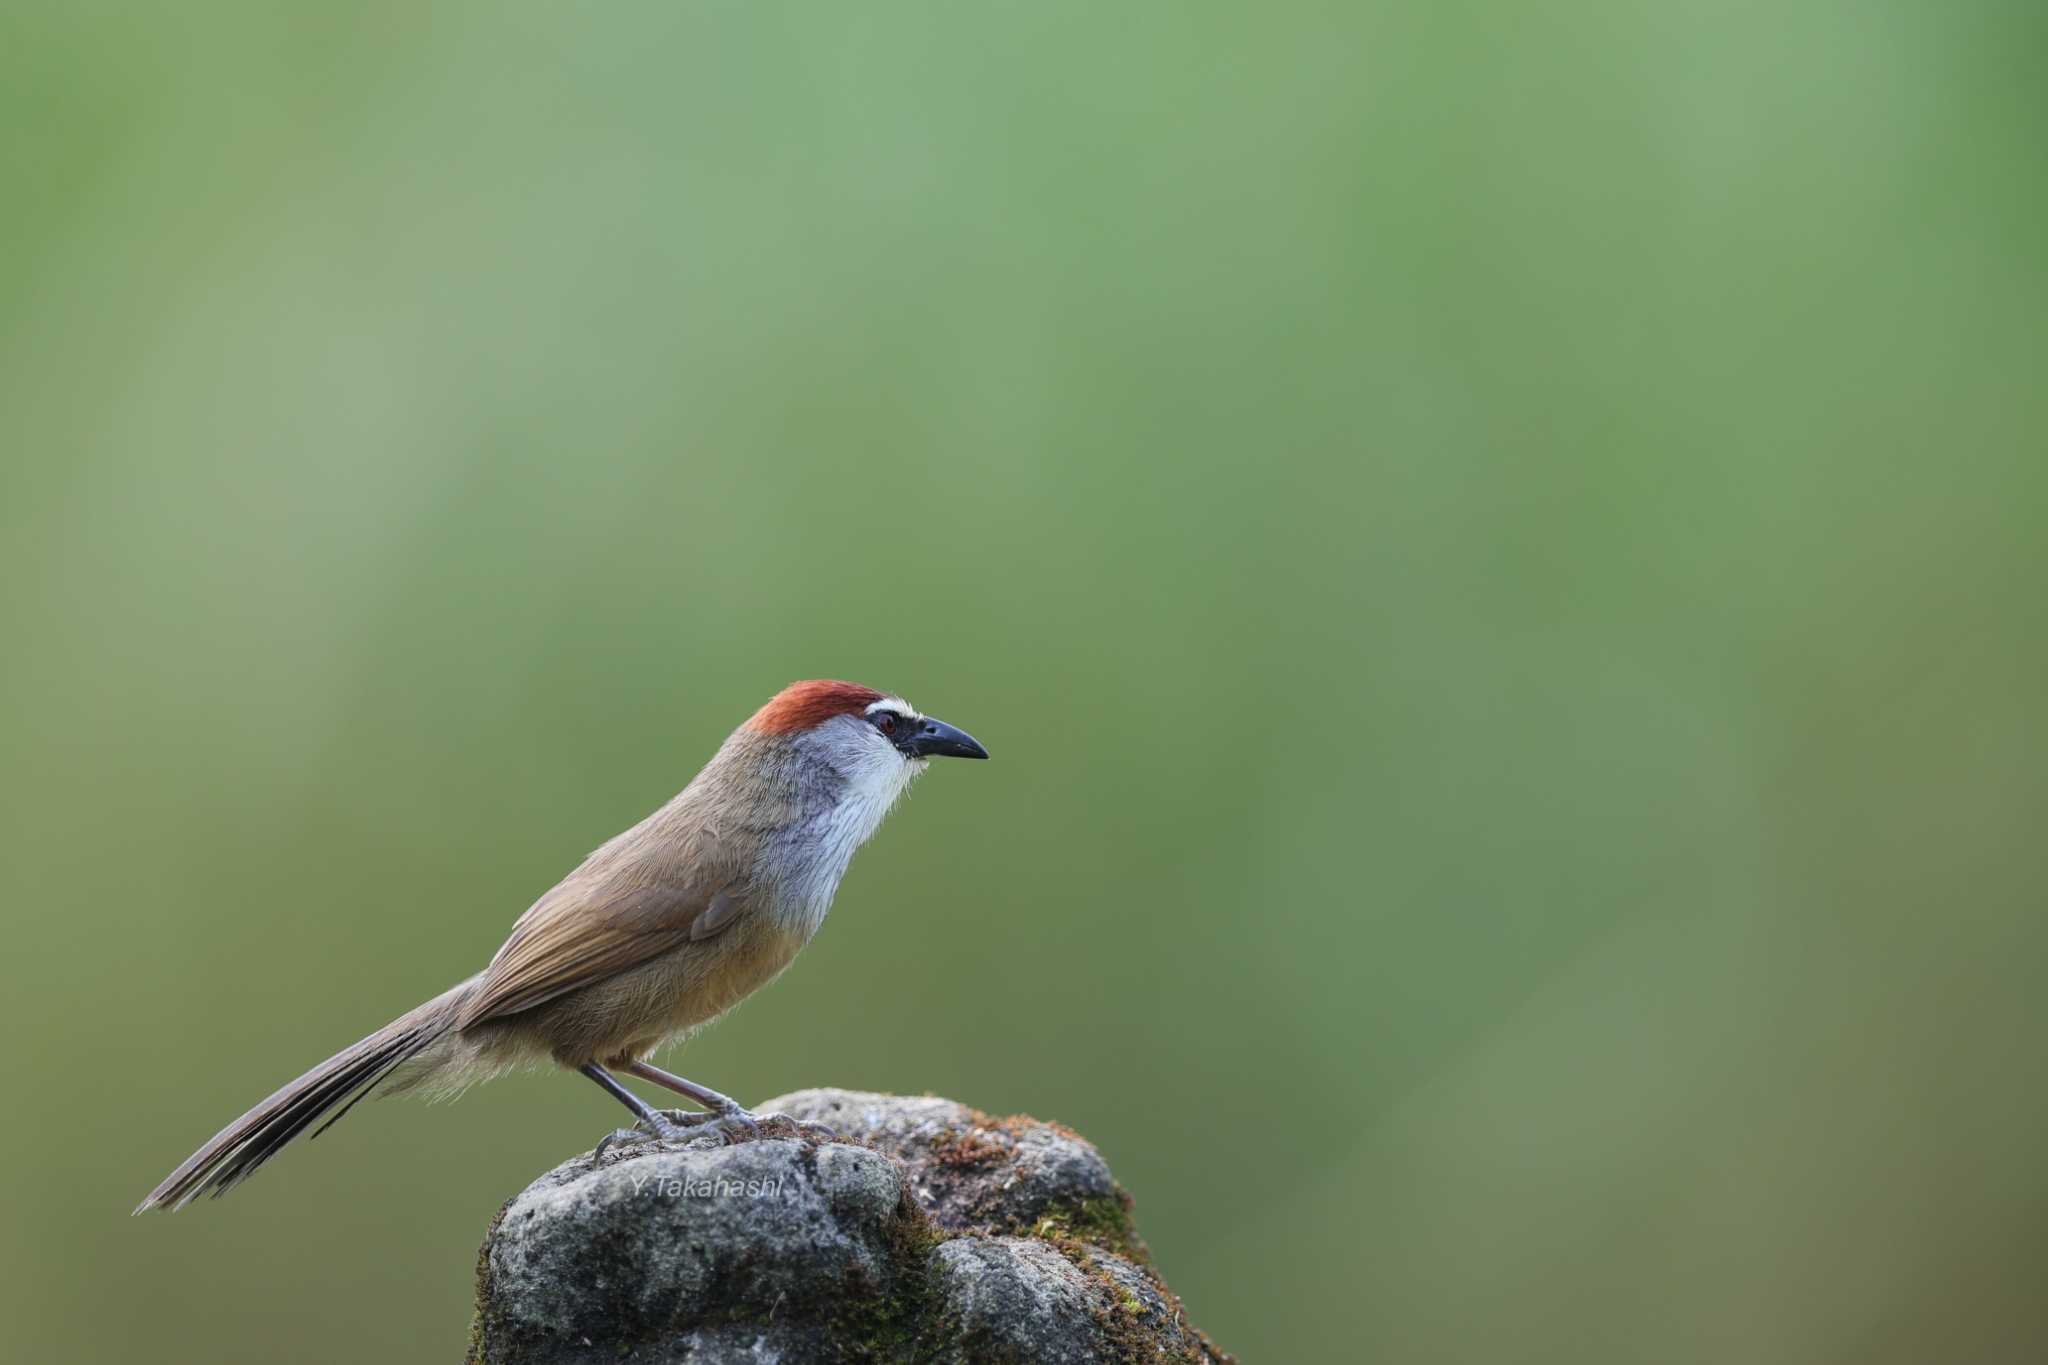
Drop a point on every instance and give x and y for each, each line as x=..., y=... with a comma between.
x=885, y=721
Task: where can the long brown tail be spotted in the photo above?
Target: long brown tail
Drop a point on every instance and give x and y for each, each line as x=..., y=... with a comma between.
x=235, y=1152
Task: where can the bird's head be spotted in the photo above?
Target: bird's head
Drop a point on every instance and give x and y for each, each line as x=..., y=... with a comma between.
x=861, y=727
x=871, y=743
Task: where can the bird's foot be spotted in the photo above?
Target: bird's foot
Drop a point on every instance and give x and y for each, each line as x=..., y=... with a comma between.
x=777, y=1125
x=662, y=1125
x=731, y=1122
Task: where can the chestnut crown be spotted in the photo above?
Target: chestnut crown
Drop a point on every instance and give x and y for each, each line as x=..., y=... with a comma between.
x=807, y=705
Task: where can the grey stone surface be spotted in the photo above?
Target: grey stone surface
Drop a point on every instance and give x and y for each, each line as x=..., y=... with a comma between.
x=928, y=1232
x=968, y=1170
x=1023, y=1300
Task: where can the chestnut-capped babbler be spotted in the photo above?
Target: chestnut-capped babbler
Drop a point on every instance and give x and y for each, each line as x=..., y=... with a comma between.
x=658, y=932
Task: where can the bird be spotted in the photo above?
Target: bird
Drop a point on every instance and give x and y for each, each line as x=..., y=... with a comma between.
x=658, y=932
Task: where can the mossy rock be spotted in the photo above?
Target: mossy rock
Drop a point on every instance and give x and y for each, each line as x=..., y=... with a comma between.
x=928, y=1233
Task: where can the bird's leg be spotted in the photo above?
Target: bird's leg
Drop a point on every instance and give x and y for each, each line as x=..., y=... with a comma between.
x=728, y=1117
x=722, y=1105
x=659, y=1126
x=731, y=1116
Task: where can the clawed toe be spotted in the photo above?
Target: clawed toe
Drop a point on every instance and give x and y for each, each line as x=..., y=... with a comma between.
x=728, y=1126
x=619, y=1137
x=734, y=1125
x=662, y=1125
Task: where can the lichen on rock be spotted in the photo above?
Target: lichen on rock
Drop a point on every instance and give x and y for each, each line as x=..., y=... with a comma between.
x=928, y=1232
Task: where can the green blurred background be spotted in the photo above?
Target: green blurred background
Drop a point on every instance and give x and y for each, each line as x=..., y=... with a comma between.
x=1497, y=549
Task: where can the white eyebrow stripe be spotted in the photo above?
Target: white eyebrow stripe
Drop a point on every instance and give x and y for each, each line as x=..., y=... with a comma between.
x=895, y=705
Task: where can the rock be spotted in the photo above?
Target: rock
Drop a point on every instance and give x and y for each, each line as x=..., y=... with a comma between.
x=928, y=1232
x=1020, y=1299
x=969, y=1171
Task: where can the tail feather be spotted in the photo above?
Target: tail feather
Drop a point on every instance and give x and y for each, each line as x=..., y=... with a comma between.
x=236, y=1151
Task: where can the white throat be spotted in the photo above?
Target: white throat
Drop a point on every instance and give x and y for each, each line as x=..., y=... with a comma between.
x=814, y=856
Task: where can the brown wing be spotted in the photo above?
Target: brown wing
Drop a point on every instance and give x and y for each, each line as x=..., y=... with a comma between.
x=598, y=922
